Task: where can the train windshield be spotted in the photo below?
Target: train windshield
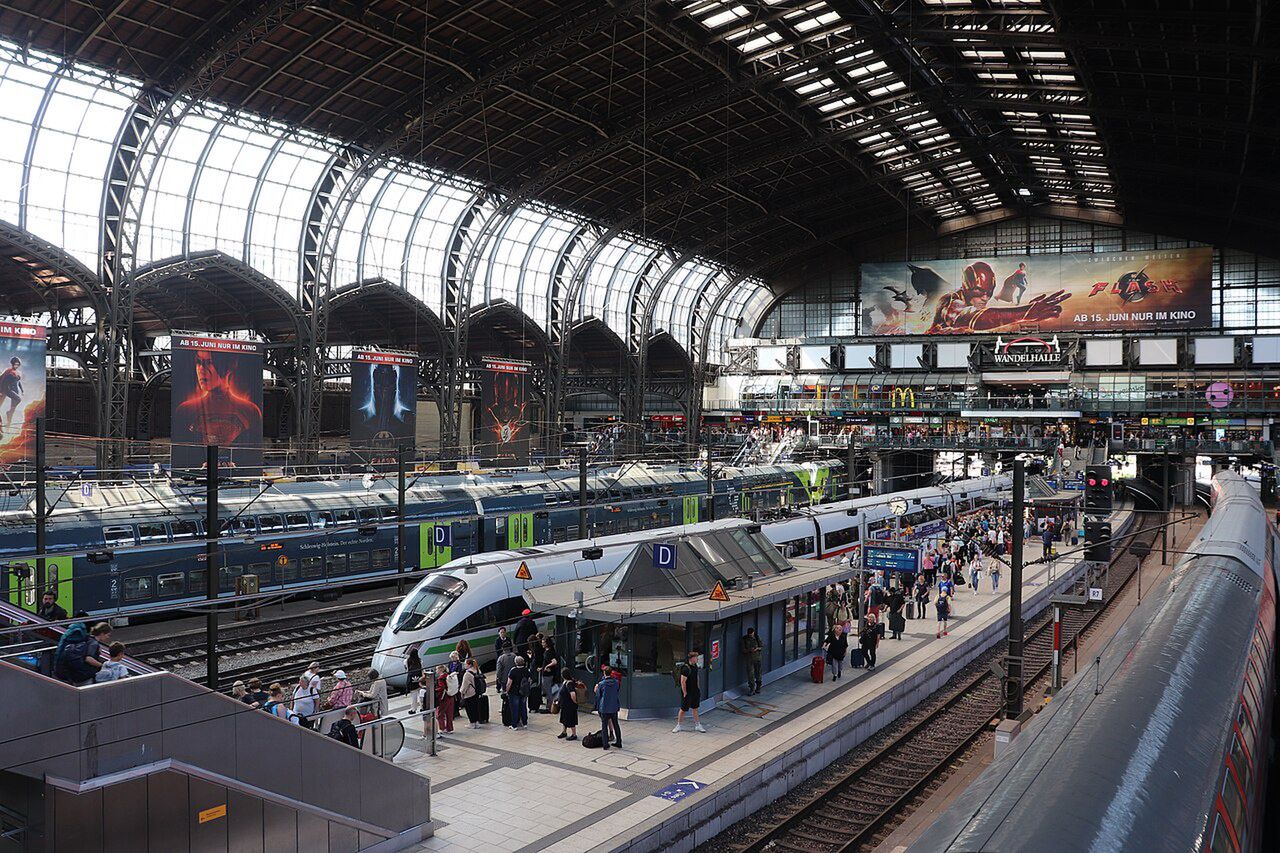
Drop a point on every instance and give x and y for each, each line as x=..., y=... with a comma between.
x=425, y=604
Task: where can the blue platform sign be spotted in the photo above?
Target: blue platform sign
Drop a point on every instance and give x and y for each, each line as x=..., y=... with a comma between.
x=891, y=558
x=664, y=556
x=677, y=791
x=442, y=535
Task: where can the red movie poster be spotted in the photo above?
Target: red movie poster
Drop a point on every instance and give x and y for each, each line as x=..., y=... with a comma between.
x=216, y=399
x=22, y=389
x=504, y=427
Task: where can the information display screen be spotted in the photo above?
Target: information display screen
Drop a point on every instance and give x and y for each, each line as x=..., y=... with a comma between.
x=891, y=558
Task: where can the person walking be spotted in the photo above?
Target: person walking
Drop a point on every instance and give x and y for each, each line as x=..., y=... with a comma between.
x=943, y=605
x=608, y=704
x=444, y=700
x=921, y=597
x=690, y=692
x=995, y=577
x=837, y=646
x=751, y=651
x=470, y=692
x=568, y=699
x=345, y=728
x=517, y=689
x=975, y=572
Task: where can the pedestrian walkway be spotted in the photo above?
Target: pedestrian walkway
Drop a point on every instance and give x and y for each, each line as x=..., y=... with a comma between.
x=495, y=789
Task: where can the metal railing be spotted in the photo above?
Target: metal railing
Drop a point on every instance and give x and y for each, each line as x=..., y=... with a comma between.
x=1072, y=401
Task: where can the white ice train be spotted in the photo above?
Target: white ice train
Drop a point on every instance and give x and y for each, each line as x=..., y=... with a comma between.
x=469, y=598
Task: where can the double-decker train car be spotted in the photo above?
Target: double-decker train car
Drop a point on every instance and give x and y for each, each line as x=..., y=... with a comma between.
x=116, y=548
x=470, y=598
x=1164, y=742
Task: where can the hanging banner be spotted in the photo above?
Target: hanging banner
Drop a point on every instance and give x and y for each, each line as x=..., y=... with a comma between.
x=384, y=389
x=22, y=389
x=216, y=399
x=1165, y=290
x=504, y=429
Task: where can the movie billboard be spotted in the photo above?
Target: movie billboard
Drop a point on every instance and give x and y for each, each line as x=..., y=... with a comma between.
x=384, y=390
x=22, y=389
x=216, y=399
x=1164, y=290
x=504, y=428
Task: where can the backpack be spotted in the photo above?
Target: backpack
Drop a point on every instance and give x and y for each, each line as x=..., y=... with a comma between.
x=591, y=740
x=525, y=687
x=480, y=683
x=451, y=684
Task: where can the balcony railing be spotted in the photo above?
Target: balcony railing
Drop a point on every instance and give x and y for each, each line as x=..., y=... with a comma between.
x=1079, y=401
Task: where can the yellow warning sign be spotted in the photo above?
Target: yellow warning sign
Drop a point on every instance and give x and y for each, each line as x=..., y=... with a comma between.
x=718, y=593
x=213, y=813
x=523, y=572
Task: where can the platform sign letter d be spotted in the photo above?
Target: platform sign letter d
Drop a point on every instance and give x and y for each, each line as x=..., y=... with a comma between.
x=664, y=556
x=442, y=535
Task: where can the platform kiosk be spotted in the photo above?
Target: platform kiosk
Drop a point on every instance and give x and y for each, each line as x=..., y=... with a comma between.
x=694, y=592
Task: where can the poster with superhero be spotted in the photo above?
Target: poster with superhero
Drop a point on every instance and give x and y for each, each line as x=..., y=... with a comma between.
x=216, y=399
x=384, y=389
x=22, y=389
x=1158, y=290
x=504, y=428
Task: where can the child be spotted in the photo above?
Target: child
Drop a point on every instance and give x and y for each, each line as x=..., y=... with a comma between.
x=114, y=669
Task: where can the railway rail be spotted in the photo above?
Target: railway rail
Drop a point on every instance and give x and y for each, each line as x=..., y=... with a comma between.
x=866, y=801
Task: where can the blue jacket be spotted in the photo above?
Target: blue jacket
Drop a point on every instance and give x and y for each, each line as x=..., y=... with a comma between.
x=607, y=695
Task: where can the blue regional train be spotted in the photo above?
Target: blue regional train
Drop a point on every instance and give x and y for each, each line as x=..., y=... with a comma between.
x=132, y=546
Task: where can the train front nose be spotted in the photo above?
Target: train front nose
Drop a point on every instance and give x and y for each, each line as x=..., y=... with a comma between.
x=389, y=660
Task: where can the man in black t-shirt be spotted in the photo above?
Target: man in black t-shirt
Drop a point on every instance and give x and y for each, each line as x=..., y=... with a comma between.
x=690, y=693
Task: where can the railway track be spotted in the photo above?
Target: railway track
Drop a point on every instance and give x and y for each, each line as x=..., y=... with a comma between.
x=865, y=802
x=275, y=649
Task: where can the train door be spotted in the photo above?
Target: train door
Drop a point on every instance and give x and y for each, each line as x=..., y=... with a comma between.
x=435, y=544
x=519, y=530
x=57, y=574
x=692, y=509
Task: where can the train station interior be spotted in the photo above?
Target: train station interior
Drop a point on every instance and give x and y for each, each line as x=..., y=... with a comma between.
x=506, y=425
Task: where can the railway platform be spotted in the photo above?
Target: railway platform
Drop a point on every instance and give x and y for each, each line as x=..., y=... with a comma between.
x=494, y=788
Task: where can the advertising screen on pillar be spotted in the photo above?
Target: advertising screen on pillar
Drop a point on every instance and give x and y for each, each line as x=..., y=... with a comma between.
x=22, y=389
x=504, y=426
x=383, y=405
x=1165, y=290
x=216, y=399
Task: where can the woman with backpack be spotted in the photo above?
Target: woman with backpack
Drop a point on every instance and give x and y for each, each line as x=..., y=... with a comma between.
x=470, y=693
x=568, y=706
x=277, y=707
x=444, y=699
x=413, y=668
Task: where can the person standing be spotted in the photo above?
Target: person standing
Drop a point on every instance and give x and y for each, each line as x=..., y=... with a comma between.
x=376, y=695
x=752, y=649
x=547, y=672
x=608, y=704
x=568, y=699
x=943, y=605
x=470, y=692
x=897, y=622
x=50, y=610
x=690, y=692
x=114, y=669
x=413, y=671
x=444, y=700
x=525, y=629
x=869, y=639
x=517, y=689
x=502, y=643
x=995, y=577
x=304, y=700
x=342, y=693
x=921, y=597
x=837, y=646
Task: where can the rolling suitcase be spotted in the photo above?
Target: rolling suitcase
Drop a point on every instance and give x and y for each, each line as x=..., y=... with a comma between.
x=506, y=713
x=857, y=657
x=818, y=669
x=484, y=709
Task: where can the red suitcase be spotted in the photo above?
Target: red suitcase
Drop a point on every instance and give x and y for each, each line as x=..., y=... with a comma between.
x=818, y=669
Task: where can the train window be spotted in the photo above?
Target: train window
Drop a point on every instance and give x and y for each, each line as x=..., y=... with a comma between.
x=1235, y=808
x=838, y=538
x=262, y=570
x=297, y=521
x=368, y=513
x=288, y=572
x=196, y=582
x=335, y=564
x=508, y=610
x=427, y=602
x=1240, y=758
x=227, y=577
x=243, y=525
x=797, y=547
x=323, y=518
x=138, y=589
x=345, y=516
x=171, y=583
x=312, y=567
x=269, y=523
x=152, y=532
x=1242, y=720
x=381, y=558
x=184, y=529
x=1221, y=841
x=118, y=535
x=359, y=561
